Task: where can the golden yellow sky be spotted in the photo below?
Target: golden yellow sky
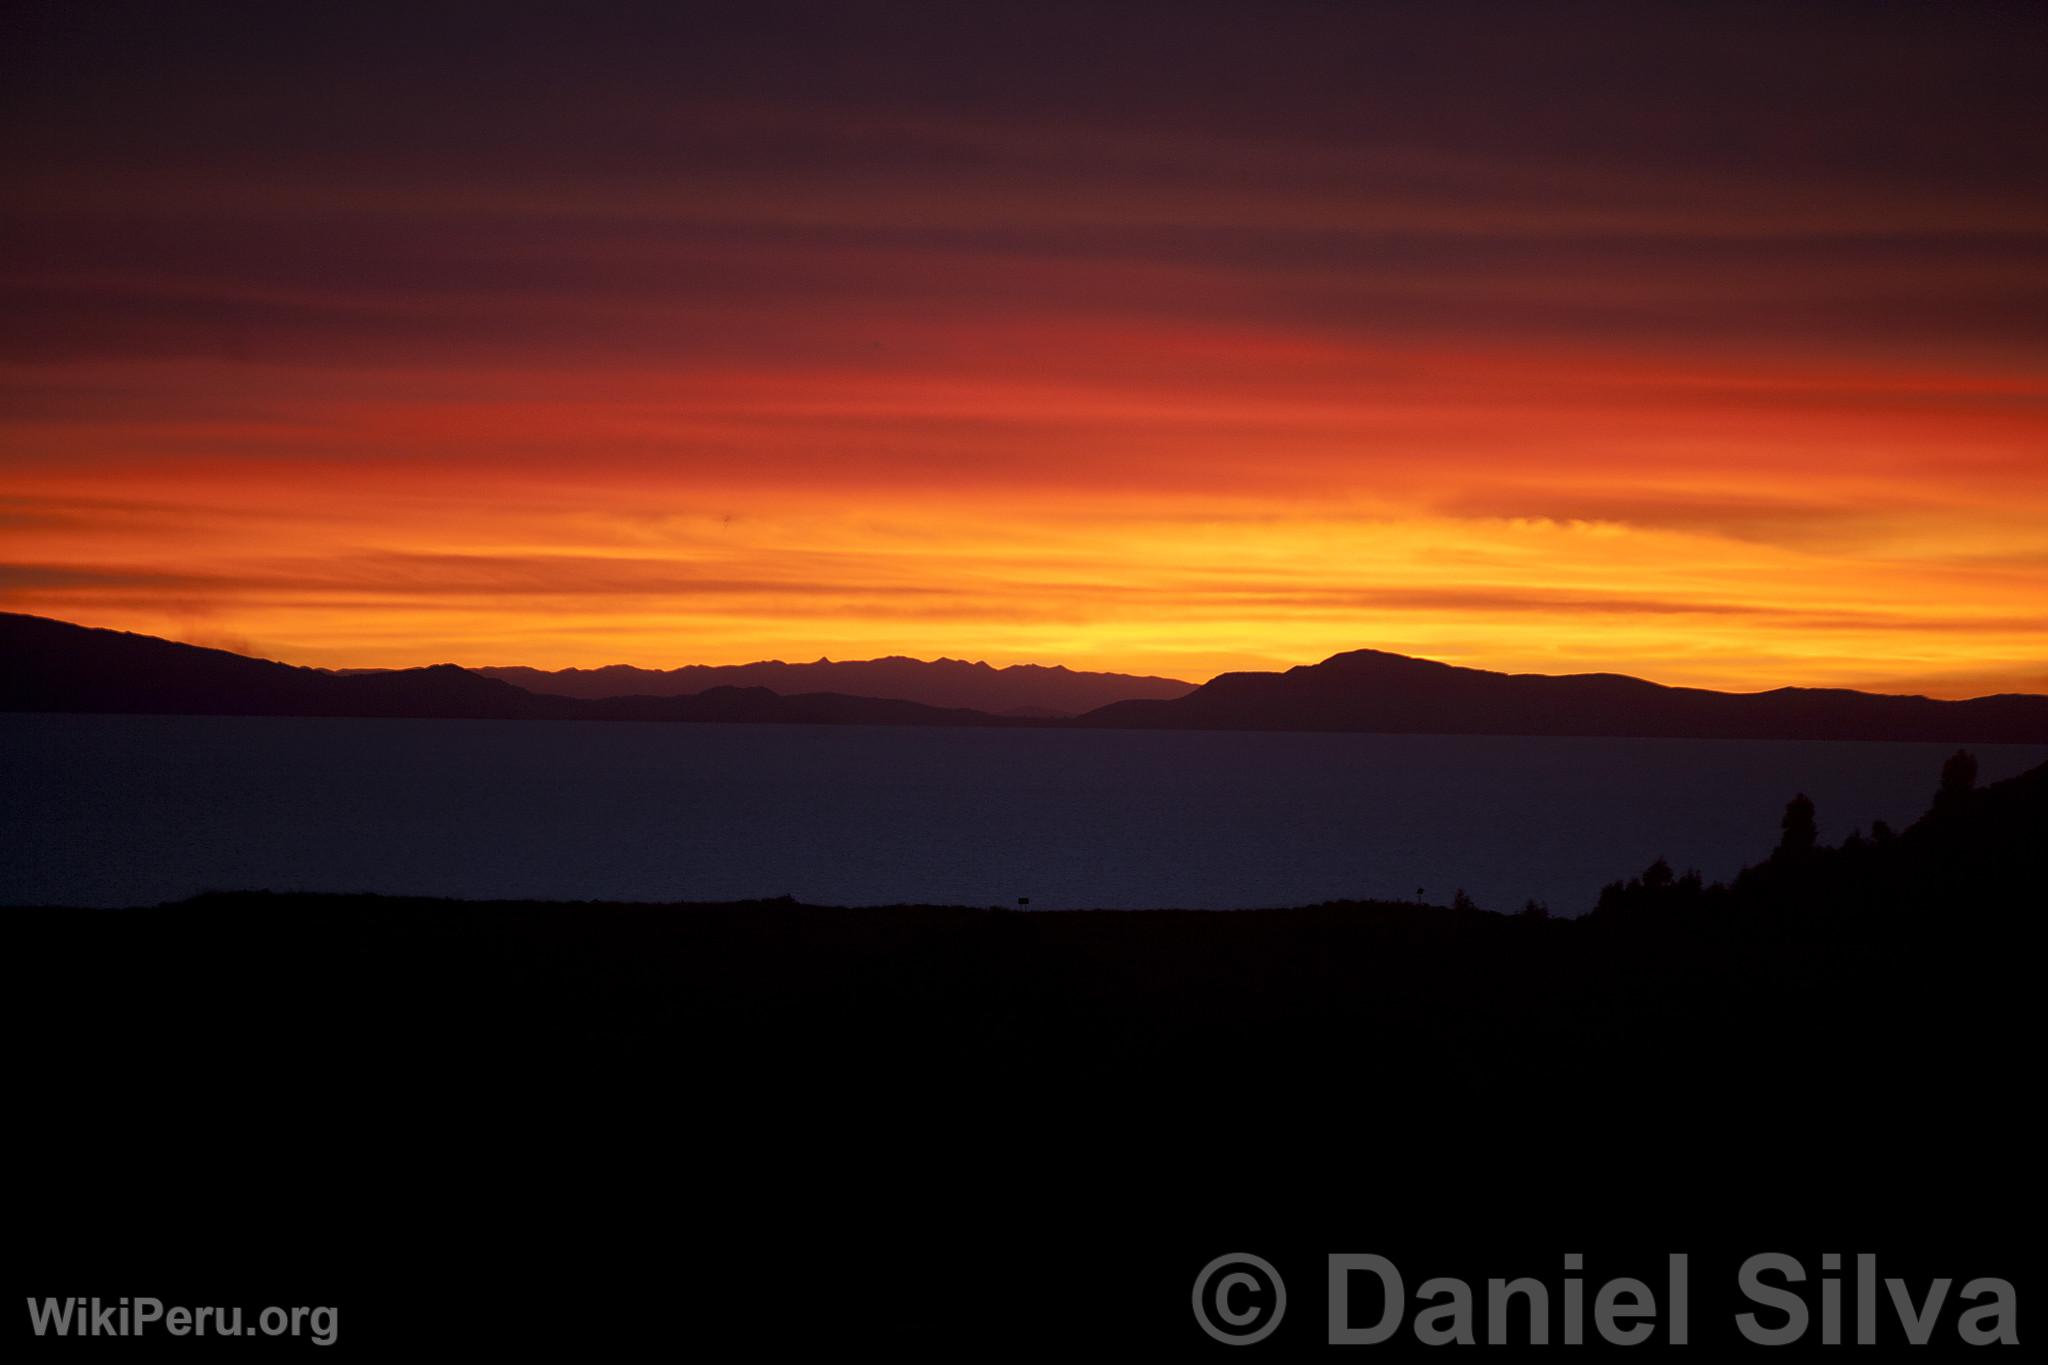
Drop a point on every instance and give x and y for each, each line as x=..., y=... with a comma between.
x=1734, y=529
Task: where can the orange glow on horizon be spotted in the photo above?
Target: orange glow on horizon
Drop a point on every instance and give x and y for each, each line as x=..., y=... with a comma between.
x=1701, y=524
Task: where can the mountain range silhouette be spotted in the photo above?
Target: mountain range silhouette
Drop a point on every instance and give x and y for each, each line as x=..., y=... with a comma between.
x=1019, y=690
x=48, y=665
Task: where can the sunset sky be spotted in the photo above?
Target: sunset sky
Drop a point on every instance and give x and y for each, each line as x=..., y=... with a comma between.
x=1706, y=343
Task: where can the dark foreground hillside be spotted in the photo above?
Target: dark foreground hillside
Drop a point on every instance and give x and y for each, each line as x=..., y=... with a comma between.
x=917, y=1123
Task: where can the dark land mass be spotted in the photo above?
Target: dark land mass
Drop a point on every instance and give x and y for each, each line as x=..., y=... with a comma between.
x=924, y=1125
x=1019, y=690
x=52, y=666
x=1367, y=690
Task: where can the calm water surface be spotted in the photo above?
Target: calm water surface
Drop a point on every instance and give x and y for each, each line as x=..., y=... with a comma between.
x=125, y=810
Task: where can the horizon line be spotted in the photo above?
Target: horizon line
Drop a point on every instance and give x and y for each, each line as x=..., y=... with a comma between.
x=1278, y=668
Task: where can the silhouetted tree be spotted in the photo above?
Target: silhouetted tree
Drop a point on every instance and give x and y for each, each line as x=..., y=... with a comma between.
x=1657, y=875
x=1958, y=780
x=1799, y=833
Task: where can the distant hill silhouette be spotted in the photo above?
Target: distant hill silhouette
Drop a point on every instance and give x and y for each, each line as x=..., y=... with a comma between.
x=1367, y=690
x=1021, y=689
x=53, y=666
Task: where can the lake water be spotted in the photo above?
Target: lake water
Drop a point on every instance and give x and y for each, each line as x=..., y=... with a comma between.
x=126, y=810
